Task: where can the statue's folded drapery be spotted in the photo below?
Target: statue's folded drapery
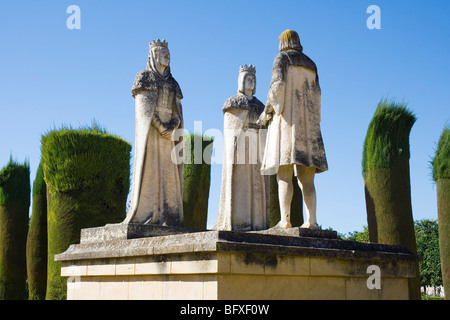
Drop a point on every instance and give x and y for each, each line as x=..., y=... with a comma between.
x=243, y=198
x=157, y=196
x=294, y=135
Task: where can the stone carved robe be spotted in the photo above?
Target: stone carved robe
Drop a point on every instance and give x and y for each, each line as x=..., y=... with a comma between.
x=157, y=183
x=244, y=191
x=294, y=135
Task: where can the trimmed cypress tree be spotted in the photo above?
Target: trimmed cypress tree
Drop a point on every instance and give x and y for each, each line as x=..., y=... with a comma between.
x=441, y=175
x=37, y=240
x=274, y=203
x=197, y=180
x=387, y=181
x=87, y=175
x=14, y=210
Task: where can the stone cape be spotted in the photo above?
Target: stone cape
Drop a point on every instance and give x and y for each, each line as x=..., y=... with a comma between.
x=241, y=101
x=291, y=57
x=148, y=80
x=294, y=135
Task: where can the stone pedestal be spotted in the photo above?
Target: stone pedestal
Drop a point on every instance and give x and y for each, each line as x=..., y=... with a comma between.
x=114, y=262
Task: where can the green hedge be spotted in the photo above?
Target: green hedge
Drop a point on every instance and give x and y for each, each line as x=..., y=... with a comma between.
x=441, y=174
x=14, y=209
x=387, y=137
x=37, y=240
x=441, y=160
x=197, y=180
x=87, y=176
x=386, y=173
x=387, y=179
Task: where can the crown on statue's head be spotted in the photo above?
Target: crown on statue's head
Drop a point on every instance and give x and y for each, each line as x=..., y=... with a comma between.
x=248, y=69
x=159, y=43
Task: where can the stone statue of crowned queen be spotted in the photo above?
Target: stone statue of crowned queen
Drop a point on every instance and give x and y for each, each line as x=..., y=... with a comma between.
x=157, y=184
x=244, y=192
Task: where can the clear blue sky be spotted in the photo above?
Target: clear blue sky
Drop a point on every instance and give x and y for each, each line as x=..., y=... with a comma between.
x=50, y=75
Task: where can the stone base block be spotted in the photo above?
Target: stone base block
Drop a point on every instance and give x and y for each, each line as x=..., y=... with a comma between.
x=123, y=231
x=227, y=265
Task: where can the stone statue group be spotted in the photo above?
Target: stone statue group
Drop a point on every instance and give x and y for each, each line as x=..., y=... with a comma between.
x=285, y=132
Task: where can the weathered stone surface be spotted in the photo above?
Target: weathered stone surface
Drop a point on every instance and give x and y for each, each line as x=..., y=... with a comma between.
x=231, y=241
x=157, y=183
x=123, y=231
x=301, y=232
x=235, y=265
x=243, y=204
x=294, y=138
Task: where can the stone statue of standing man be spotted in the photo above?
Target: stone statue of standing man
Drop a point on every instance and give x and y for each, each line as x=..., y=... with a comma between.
x=294, y=141
x=157, y=195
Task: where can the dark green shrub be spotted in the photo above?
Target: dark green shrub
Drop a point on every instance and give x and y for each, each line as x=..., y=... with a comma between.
x=441, y=175
x=87, y=176
x=427, y=238
x=386, y=174
x=197, y=180
x=387, y=180
x=14, y=209
x=37, y=240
